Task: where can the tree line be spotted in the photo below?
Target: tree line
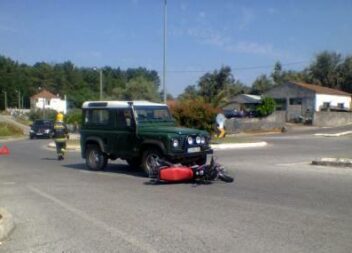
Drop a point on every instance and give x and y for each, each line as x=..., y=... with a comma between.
x=18, y=82
x=328, y=69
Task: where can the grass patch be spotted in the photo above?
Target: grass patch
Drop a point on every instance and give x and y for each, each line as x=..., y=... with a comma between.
x=74, y=142
x=8, y=129
x=23, y=121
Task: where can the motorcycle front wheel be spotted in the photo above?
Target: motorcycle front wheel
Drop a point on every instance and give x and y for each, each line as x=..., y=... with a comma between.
x=225, y=178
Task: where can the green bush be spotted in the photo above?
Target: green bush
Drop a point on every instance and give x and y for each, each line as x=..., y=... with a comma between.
x=194, y=114
x=8, y=129
x=266, y=108
x=74, y=117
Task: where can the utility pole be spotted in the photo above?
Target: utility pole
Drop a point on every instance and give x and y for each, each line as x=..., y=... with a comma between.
x=101, y=84
x=19, y=99
x=5, y=101
x=164, y=58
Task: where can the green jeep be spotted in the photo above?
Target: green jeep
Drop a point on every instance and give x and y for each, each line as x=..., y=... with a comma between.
x=137, y=132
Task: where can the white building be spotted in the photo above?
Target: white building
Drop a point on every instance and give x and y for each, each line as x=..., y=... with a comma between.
x=46, y=100
x=299, y=98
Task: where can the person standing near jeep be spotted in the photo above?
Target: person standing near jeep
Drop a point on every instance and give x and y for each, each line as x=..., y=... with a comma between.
x=60, y=136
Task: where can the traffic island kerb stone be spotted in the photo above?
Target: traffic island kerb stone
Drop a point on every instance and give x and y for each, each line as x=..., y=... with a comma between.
x=6, y=224
x=335, y=162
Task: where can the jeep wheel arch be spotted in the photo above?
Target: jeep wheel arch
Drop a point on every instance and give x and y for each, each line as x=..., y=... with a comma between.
x=94, y=141
x=148, y=155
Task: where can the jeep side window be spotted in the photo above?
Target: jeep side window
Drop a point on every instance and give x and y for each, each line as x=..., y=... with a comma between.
x=96, y=117
x=124, y=118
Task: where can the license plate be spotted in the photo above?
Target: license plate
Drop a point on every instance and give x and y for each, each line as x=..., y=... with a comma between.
x=193, y=150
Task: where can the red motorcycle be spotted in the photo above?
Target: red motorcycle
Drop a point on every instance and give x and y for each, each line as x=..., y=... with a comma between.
x=163, y=171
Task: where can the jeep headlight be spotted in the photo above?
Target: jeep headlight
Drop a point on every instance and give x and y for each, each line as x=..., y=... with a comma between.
x=190, y=140
x=198, y=140
x=175, y=143
x=202, y=140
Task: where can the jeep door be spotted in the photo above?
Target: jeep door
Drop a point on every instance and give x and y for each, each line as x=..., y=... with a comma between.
x=124, y=137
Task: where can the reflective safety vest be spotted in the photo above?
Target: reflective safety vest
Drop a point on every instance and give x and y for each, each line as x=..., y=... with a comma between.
x=60, y=132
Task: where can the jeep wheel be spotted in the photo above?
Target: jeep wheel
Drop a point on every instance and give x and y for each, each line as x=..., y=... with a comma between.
x=148, y=160
x=95, y=159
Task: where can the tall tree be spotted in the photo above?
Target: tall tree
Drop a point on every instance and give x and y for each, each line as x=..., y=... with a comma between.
x=324, y=70
x=261, y=85
x=277, y=74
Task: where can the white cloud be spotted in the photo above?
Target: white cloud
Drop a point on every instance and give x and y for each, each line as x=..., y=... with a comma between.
x=250, y=48
x=272, y=11
x=247, y=17
x=183, y=7
x=202, y=14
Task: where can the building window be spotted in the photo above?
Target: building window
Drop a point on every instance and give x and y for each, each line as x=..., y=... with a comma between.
x=326, y=105
x=340, y=105
x=280, y=104
x=295, y=101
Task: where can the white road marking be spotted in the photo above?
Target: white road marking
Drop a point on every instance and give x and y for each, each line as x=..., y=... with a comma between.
x=98, y=223
x=293, y=164
x=8, y=183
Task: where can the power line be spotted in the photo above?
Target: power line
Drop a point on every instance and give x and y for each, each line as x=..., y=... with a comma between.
x=239, y=68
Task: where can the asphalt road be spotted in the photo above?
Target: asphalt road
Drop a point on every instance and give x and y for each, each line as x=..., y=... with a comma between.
x=277, y=203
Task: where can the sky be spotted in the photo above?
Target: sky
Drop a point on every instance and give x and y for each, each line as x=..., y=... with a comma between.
x=202, y=35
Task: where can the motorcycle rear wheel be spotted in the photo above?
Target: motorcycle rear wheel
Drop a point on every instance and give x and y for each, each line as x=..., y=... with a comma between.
x=225, y=178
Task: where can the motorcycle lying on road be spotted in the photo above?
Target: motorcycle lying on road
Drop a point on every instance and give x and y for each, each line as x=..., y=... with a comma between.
x=164, y=171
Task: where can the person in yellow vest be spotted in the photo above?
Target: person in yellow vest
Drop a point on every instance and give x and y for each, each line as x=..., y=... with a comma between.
x=60, y=136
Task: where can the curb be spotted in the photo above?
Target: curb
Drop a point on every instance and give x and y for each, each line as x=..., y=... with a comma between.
x=238, y=145
x=336, y=162
x=334, y=135
x=6, y=224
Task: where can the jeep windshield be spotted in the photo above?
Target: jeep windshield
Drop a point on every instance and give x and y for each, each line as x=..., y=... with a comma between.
x=151, y=114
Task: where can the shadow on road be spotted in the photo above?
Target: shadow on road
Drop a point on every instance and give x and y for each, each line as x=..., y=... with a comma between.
x=110, y=168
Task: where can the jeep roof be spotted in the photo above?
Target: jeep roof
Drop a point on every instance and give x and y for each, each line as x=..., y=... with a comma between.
x=118, y=104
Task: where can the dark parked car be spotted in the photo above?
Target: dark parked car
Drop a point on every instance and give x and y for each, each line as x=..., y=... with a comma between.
x=42, y=128
x=233, y=114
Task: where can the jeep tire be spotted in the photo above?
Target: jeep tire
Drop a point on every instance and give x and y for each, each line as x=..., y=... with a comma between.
x=147, y=159
x=95, y=158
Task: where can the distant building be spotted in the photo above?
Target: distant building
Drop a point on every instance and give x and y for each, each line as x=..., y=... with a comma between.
x=299, y=99
x=46, y=100
x=244, y=102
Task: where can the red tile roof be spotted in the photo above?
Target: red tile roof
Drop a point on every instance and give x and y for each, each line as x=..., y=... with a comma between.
x=321, y=89
x=44, y=94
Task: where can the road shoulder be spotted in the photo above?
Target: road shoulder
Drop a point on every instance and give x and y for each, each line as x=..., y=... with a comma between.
x=6, y=224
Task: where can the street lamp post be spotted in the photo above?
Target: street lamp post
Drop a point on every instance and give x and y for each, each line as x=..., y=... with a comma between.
x=101, y=84
x=19, y=99
x=164, y=55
